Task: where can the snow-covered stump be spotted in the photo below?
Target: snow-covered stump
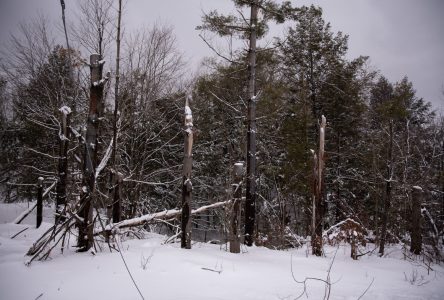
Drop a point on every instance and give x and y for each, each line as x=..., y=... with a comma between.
x=236, y=209
x=416, y=238
x=39, y=201
x=187, y=186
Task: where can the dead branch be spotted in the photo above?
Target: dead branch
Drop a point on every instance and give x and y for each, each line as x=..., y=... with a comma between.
x=156, y=217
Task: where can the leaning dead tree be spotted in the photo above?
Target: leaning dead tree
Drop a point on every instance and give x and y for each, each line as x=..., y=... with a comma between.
x=187, y=186
x=318, y=205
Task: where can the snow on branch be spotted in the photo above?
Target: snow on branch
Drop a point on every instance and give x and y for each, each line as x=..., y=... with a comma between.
x=188, y=115
x=41, y=153
x=66, y=110
x=167, y=214
x=338, y=225
x=102, y=81
x=104, y=159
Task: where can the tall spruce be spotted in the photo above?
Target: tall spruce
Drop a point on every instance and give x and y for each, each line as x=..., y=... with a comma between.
x=252, y=30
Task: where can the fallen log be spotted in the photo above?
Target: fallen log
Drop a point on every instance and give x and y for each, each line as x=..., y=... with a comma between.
x=167, y=214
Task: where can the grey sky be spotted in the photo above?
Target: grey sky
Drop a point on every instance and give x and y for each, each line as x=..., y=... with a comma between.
x=402, y=37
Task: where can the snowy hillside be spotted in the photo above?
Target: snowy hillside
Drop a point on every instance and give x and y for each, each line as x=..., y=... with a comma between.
x=205, y=272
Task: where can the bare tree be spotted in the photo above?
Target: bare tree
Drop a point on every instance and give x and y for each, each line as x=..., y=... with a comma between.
x=94, y=30
x=149, y=117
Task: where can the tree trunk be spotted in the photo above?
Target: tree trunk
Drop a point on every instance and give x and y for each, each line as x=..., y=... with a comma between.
x=388, y=192
x=117, y=196
x=313, y=200
x=85, y=238
x=416, y=238
x=113, y=192
x=236, y=211
x=63, y=165
x=39, y=202
x=319, y=205
x=187, y=186
x=354, y=247
x=250, y=203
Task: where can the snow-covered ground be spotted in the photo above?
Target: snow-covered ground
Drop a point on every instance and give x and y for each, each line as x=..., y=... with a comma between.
x=205, y=272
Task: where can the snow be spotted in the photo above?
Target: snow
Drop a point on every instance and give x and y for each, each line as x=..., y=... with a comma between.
x=207, y=271
x=65, y=110
x=100, y=82
x=105, y=159
x=188, y=111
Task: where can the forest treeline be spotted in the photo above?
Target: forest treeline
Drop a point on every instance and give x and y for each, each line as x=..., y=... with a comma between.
x=383, y=143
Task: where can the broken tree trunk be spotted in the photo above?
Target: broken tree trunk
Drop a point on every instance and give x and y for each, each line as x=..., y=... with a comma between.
x=318, y=189
x=250, y=203
x=236, y=209
x=62, y=164
x=187, y=186
x=416, y=238
x=85, y=238
x=39, y=201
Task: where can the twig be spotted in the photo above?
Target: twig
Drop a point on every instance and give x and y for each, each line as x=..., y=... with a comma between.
x=129, y=272
x=208, y=269
x=362, y=295
x=217, y=52
x=19, y=232
x=38, y=297
x=326, y=281
x=225, y=102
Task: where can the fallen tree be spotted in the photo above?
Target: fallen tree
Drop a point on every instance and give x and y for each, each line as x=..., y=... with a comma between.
x=58, y=232
x=155, y=217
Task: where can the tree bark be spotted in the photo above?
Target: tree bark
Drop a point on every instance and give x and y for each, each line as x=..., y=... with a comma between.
x=62, y=166
x=250, y=203
x=117, y=196
x=113, y=192
x=187, y=186
x=85, y=238
x=416, y=237
x=39, y=202
x=236, y=209
x=319, y=205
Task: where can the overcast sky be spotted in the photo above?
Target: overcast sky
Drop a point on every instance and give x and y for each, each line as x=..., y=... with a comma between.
x=402, y=37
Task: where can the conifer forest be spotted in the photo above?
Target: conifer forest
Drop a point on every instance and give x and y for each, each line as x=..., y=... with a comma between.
x=277, y=145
